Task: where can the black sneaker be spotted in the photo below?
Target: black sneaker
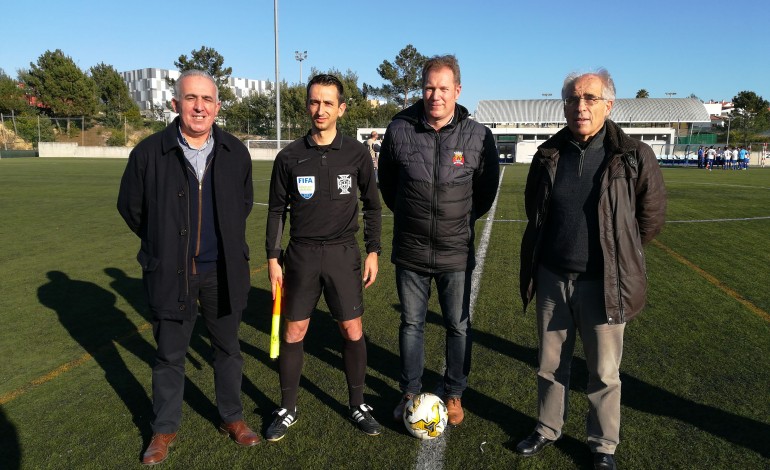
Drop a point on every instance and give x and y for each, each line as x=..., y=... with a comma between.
x=362, y=418
x=283, y=419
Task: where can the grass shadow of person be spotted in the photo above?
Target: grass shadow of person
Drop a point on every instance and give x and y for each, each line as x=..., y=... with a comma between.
x=324, y=342
x=132, y=290
x=642, y=396
x=10, y=451
x=88, y=313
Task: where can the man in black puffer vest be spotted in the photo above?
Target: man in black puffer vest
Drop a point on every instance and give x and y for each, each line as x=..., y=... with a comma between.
x=438, y=173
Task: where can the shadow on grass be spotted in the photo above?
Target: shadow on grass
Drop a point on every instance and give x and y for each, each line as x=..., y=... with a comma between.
x=637, y=394
x=89, y=314
x=323, y=341
x=132, y=290
x=10, y=451
x=258, y=314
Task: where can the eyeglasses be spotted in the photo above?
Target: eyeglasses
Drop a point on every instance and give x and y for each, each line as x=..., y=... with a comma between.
x=589, y=100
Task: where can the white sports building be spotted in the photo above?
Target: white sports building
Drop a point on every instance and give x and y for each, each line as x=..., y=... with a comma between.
x=519, y=126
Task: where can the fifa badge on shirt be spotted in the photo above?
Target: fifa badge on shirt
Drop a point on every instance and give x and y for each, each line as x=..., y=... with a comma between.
x=344, y=183
x=306, y=186
x=458, y=159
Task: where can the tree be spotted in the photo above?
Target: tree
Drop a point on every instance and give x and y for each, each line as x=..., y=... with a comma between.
x=642, y=93
x=114, y=95
x=360, y=111
x=751, y=115
x=11, y=95
x=404, y=75
x=61, y=88
x=294, y=119
x=212, y=62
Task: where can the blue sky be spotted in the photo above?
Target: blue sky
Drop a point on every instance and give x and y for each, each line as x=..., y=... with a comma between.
x=507, y=49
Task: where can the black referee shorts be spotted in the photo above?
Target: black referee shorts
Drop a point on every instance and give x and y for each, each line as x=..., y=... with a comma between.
x=333, y=269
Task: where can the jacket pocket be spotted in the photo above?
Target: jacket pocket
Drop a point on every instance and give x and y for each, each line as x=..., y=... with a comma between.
x=147, y=262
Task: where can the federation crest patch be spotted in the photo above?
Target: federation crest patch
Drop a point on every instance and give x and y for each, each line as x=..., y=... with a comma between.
x=344, y=182
x=306, y=186
x=458, y=159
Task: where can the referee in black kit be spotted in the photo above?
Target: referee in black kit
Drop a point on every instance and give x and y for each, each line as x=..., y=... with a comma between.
x=319, y=177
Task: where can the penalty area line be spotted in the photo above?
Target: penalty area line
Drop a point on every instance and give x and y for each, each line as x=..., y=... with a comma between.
x=714, y=281
x=66, y=367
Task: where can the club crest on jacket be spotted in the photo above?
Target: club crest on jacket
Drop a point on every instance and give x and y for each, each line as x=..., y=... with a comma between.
x=344, y=182
x=458, y=159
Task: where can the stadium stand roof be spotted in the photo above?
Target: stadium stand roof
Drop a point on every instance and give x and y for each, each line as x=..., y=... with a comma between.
x=634, y=110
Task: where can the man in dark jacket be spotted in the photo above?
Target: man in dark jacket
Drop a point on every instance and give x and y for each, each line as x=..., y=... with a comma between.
x=186, y=192
x=594, y=197
x=438, y=173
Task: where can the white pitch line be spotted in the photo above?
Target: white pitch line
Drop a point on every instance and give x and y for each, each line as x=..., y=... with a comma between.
x=696, y=221
x=431, y=453
x=727, y=184
x=692, y=221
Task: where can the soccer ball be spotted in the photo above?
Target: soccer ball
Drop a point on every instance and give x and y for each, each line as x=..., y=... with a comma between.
x=425, y=416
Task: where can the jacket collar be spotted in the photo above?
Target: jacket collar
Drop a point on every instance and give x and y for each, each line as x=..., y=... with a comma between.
x=336, y=143
x=615, y=140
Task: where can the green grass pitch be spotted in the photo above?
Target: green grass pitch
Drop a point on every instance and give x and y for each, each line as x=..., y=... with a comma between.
x=76, y=348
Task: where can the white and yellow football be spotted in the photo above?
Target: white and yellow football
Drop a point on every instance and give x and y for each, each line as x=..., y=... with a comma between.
x=425, y=416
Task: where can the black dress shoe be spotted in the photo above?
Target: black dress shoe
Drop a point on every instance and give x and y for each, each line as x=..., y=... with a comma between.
x=604, y=462
x=533, y=444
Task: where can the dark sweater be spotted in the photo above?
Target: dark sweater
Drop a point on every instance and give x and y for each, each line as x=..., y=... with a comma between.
x=205, y=240
x=571, y=236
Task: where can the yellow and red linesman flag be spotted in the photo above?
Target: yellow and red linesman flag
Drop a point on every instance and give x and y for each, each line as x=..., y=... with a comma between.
x=275, y=340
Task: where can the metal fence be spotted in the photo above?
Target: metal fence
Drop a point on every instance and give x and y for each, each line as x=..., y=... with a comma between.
x=23, y=132
x=267, y=144
x=687, y=154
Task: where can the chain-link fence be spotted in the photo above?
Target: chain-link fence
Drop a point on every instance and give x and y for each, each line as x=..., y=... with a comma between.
x=267, y=144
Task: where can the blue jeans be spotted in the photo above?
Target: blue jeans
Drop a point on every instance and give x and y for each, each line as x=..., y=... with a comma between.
x=454, y=291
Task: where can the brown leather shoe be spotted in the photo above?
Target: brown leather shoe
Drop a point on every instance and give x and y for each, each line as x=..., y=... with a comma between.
x=454, y=407
x=157, y=451
x=239, y=431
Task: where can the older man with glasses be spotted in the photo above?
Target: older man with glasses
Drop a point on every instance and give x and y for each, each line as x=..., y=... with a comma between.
x=594, y=197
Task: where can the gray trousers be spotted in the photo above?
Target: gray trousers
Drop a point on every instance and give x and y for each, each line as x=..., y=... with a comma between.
x=565, y=307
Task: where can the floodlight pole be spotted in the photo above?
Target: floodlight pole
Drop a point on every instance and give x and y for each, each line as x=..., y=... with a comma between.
x=300, y=56
x=277, y=81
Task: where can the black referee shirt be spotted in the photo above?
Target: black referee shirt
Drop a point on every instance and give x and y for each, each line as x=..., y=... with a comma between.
x=319, y=187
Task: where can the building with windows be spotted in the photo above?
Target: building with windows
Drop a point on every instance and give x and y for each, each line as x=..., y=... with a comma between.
x=668, y=125
x=148, y=87
x=673, y=127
